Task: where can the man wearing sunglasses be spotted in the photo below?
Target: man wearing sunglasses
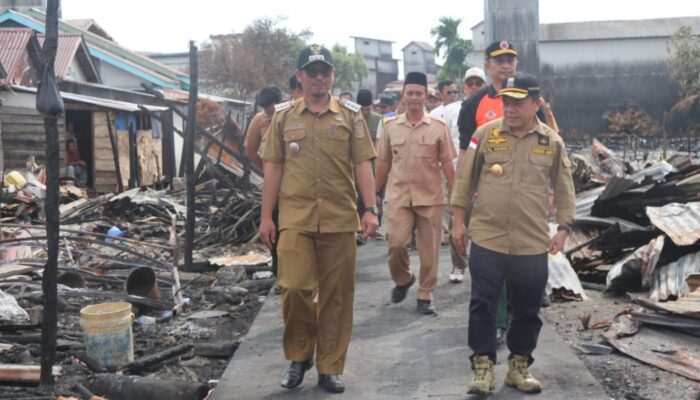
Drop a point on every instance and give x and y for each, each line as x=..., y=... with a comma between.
x=474, y=80
x=314, y=147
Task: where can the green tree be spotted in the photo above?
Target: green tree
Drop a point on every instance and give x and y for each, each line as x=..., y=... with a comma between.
x=451, y=46
x=684, y=61
x=349, y=68
x=239, y=65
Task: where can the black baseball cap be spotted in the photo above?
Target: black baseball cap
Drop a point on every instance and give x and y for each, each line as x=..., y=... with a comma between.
x=520, y=86
x=314, y=53
x=500, y=48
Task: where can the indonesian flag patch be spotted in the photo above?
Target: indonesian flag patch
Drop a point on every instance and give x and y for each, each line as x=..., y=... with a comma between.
x=473, y=143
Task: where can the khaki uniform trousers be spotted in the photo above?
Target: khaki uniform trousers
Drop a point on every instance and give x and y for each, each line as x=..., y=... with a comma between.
x=308, y=261
x=399, y=231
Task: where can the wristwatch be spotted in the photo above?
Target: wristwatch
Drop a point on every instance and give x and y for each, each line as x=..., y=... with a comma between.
x=566, y=228
x=374, y=210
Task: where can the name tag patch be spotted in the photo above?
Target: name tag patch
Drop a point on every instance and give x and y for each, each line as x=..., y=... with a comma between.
x=543, y=151
x=293, y=127
x=497, y=149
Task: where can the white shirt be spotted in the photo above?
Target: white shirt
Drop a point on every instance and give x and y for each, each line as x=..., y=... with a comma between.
x=449, y=113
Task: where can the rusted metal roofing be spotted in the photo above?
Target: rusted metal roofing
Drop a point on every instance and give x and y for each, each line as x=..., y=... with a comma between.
x=681, y=222
x=670, y=280
x=96, y=101
x=13, y=48
x=70, y=46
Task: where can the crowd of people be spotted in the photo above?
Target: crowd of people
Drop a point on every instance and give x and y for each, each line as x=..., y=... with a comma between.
x=483, y=175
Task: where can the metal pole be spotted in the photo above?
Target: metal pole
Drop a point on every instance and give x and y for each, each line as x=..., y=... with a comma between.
x=189, y=157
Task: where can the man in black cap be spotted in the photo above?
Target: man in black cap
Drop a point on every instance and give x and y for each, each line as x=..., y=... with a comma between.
x=295, y=89
x=512, y=162
x=314, y=148
x=364, y=99
x=413, y=151
x=267, y=99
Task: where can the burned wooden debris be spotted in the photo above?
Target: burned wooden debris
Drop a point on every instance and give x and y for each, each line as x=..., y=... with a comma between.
x=128, y=247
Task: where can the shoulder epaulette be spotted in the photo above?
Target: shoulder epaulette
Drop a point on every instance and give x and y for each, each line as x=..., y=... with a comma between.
x=283, y=106
x=352, y=106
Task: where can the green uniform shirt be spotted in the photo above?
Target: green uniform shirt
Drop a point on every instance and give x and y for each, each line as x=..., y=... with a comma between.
x=510, y=211
x=318, y=151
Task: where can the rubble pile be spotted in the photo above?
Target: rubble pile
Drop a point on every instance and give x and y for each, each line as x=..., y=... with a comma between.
x=639, y=233
x=128, y=247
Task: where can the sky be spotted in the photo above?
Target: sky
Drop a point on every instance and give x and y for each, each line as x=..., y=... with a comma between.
x=168, y=25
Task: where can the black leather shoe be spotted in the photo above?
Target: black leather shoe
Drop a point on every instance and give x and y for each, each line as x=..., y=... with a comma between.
x=294, y=375
x=331, y=383
x=425, y=307
x=398, y=293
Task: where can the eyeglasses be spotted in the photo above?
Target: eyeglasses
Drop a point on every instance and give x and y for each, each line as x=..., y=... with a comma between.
x=476, y=83
x=505, y=60
x=314, y=72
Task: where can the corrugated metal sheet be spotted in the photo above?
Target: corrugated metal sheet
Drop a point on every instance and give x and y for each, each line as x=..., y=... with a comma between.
x=642, y=262
x=670, y=280
x=13, y=47
x=562, y=275
x=65, y=53
x=681, y=222
x=104, y=103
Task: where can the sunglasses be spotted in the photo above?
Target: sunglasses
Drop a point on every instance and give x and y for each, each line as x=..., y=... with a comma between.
x=314, y=72
x=474, y=83
x=451, y=92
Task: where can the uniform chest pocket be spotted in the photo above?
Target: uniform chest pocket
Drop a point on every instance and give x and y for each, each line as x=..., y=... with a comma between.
x=537, y=170
x=339, y=131
x=426, y=148
x=294, y=140
x=398, y=147
x=500, y=157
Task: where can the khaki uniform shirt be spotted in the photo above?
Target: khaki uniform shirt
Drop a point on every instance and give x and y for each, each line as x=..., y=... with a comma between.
x=318, y=151
x=415, y=153
x=257, y=130
x=510, y=213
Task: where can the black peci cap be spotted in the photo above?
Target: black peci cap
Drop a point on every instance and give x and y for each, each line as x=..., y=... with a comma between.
x=269, y=95
x=364, y=97
x=520, y=86
x=416, y=78
x=314, y=53
x=501, y=48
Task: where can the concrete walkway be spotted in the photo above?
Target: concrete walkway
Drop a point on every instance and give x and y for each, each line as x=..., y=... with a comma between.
x=397, y=353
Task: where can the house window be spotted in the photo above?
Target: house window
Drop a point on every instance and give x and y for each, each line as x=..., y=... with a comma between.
x=366, y=42
x=414, y=53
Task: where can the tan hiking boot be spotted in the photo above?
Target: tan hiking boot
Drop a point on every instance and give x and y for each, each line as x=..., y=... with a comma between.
x=483, y=376
x=519, y=376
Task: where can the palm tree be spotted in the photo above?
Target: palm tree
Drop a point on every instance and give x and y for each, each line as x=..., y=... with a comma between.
x=446, y=34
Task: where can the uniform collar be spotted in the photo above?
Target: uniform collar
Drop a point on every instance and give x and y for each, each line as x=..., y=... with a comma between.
x=537, y=128
x=401, y=119
x=491, y=91
x=333, y=106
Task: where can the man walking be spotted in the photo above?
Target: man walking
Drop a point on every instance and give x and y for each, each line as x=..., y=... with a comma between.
x=412, y=152
x=512, y=162
x=313, y=148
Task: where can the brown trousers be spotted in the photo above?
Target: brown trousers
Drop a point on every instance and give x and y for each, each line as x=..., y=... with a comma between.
x=399, y=231
x=308, y=261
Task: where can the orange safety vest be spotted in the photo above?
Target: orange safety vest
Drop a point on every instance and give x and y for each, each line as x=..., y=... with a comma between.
x=490, y=108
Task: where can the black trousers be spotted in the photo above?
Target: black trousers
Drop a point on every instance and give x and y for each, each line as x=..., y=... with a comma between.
x=526, y=277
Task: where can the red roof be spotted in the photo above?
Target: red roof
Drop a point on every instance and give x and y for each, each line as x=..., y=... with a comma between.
x=13, y=50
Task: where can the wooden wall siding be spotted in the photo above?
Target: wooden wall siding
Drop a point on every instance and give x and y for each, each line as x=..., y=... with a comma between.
x=150, y=154
x=105, y=174
x=23, y=135
x=124, y=166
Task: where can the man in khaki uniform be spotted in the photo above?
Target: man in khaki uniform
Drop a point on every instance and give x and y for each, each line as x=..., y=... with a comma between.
x=512, y=162
x=412, y=151
x=267, y=99
x=313, y=147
